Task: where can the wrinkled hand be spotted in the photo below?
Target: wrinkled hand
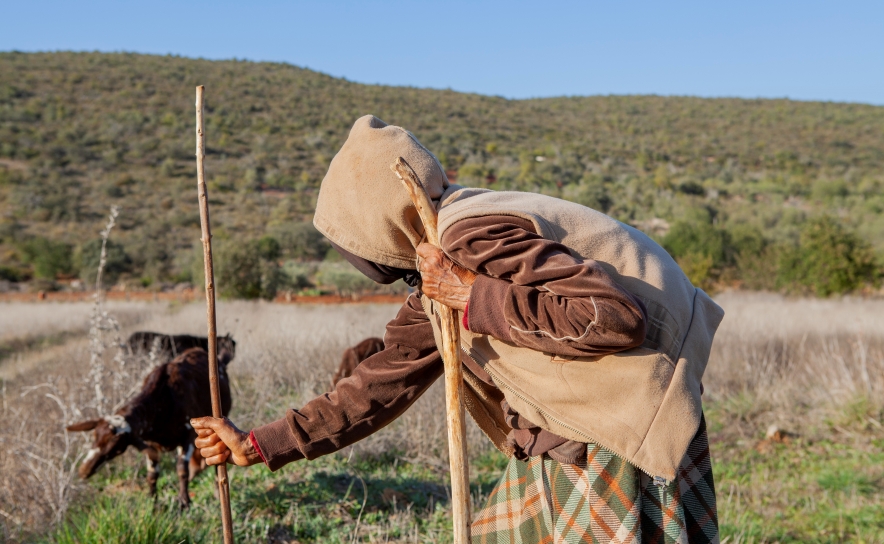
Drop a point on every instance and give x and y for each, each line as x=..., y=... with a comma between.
x=442, y=279
x=219, y=440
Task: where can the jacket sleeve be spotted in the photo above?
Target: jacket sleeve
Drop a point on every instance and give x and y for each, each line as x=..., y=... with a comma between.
x=535, y=293
x=381, y=388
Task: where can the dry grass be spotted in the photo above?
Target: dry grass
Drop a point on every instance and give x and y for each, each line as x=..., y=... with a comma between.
x=28, y=329
x=286, y=354
x=809, y=366
x=796, y=359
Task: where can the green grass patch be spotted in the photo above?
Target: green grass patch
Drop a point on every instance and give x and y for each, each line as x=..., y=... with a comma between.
x=132, y=518
x=327, y=500
x=828, y=489
x=804, y=491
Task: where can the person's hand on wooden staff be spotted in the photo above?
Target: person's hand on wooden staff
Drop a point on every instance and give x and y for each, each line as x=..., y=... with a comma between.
x=442, y=279
x=219, y=440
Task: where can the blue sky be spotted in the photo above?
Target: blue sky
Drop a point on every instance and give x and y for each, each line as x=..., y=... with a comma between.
x=809, y=50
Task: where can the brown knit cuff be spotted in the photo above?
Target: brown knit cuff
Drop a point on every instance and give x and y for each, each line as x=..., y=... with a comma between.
x=487, y=299
x=277, y=443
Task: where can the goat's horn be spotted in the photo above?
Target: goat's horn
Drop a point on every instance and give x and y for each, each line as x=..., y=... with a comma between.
x=119, y=423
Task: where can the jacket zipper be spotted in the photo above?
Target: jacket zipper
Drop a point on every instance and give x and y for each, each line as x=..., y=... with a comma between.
x=658, y=480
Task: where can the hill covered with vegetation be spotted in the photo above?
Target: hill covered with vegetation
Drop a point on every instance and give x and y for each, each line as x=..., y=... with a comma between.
x=772, y=194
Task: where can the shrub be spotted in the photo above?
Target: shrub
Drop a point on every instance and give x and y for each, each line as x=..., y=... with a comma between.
x=692, y=188
x=755, y=259
x=697, y=236
x=117, y=262
x=758, y=270
x=702, y=246
x=345, y=279
x=297, y=274
x=268, y=248
x=828, y=259
x=300, y=241
x=10, y=273
x=242, y=269
x=590, y=192
x=47, y=258
x=697, y=267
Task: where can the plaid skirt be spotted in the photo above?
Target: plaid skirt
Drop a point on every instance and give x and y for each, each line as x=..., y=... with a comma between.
x=604, y=500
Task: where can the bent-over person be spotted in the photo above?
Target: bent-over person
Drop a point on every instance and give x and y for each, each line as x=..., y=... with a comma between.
x=583, y=349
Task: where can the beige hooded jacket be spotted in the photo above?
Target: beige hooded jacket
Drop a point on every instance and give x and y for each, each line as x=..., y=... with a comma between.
x=642, y=404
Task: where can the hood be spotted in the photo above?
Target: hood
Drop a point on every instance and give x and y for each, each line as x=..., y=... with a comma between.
x=362, y=205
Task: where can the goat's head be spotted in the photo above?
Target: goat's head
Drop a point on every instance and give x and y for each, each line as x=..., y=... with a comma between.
x=112, y=435
x=226, y=348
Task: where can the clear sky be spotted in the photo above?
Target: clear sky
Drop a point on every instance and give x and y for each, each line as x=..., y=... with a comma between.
x=808, y=50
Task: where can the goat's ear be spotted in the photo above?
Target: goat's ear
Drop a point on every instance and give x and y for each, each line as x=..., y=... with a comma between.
x=87, y=425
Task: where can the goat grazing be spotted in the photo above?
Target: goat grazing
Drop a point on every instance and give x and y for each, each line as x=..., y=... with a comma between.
x=355, y=355
x=157, y=419
x=172, y=345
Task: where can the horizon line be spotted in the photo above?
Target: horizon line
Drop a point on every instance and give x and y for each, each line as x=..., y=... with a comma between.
x=378, y=84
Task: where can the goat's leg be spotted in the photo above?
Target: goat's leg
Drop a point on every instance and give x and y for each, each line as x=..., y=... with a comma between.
x=153, y=470
x=197, y=464
x=183, y=474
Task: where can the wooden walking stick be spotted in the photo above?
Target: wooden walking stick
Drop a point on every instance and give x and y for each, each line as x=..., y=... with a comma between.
x=220, y=470
x=457, y=438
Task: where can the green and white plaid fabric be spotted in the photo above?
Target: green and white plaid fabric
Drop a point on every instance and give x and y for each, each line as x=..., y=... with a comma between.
x=605, y=500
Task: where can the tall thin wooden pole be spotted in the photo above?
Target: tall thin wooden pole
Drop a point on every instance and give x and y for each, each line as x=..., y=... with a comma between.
x=220, y=470
x=457, y=435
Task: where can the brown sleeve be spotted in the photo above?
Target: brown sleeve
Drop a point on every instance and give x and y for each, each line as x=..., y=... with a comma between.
x=533, y=292
x=380, y=389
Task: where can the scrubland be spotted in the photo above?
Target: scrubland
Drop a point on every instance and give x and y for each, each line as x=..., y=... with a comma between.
x=813, y=368
x=737, y=190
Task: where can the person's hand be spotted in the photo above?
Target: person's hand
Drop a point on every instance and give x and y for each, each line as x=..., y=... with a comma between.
x=442, y=279
x=219, y=440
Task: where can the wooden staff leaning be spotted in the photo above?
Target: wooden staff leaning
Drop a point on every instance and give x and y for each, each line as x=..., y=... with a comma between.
x=457, y=438
x=220, y=470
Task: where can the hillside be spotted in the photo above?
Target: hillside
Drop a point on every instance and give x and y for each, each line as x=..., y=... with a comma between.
x=729, y=185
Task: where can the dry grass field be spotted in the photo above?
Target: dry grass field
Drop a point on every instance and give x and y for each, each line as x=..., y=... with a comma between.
x=813, y=368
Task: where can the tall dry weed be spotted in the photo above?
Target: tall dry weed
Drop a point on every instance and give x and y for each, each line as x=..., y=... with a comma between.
x=39, y=456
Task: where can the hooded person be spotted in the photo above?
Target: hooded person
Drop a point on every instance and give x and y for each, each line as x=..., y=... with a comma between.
x=583, y=349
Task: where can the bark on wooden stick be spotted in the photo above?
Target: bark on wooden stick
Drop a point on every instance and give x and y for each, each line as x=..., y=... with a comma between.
x=220, y=470
x=457, y=438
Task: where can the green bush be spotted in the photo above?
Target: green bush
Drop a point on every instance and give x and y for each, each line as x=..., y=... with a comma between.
x=826, y=190
x=697, y=267
x=697, y=235
x=47, y=258
x=268, y=248
x=10, y=273
x=828, y=259
x=243, y=269
x=754, y=258
x=590, y=192
x=700, y=246
x=117, y=261
x=759, y=270
x=298, y=274
x=345, y=279
x=300, y=241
